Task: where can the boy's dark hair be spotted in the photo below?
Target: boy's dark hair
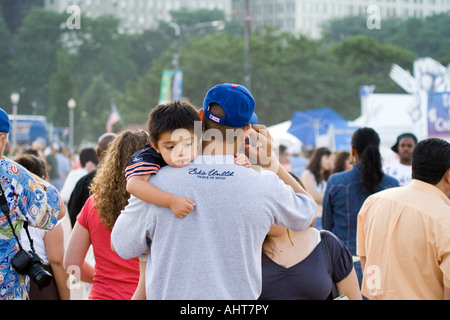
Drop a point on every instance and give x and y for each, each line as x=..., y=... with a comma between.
x=170, y=117
x=430, y=160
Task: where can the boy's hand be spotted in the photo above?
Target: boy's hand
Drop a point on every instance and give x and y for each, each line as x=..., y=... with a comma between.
x=181, y=206
x=242, y=160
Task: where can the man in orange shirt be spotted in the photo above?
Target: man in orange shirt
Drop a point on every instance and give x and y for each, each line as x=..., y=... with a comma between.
x=403, y=234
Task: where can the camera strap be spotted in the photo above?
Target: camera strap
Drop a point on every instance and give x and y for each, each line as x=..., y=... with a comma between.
x=5, y=209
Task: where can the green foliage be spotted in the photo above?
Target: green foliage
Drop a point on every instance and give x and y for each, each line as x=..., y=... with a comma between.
x=104, y=51
x=99, y=65
x=38, y=42
x=5, y=65
x=61, y=89
x=429, y=37
x=362, y=55
x=94, y=109
x=189, y=18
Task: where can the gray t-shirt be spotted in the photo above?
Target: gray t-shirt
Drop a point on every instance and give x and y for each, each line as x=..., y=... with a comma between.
x=214, y=252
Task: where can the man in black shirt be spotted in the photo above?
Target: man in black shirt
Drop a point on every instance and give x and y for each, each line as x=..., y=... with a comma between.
x=81, y=191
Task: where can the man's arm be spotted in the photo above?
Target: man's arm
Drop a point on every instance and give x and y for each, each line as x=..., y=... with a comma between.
x=268, y=160
x=129, y=234
x=295, y=208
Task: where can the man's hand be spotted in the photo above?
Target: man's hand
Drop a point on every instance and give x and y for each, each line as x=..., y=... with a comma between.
x=260, y=152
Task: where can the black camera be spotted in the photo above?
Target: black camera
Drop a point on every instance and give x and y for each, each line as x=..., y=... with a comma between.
x=29, y=264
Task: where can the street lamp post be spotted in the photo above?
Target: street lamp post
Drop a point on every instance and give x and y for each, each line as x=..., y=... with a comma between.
x=216, y=24
x=248, y=21
x=175, y=60
x=15, y=98
x=71, y=104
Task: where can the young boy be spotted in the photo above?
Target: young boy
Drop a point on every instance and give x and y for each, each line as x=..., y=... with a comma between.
x=172, y=142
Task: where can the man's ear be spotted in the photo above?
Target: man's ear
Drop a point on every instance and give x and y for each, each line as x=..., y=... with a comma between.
x=200, y=114
x=447, y=176
x=247, y=129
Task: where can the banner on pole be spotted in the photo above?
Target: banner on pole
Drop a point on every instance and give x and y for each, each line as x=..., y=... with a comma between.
x=439, y=115
x=165, y=93
x=177, y=89
x=171, y=86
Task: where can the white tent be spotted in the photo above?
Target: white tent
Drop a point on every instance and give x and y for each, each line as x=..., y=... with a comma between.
x=424, y=110
x=282, y=137
x=393, y=114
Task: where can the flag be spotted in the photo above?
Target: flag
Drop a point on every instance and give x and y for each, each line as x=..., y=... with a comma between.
x=114, y=117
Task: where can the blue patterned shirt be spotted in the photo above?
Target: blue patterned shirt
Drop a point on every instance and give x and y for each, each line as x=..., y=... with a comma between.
x=28, y=200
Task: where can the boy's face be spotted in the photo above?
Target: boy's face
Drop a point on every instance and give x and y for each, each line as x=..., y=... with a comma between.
x=177, y=148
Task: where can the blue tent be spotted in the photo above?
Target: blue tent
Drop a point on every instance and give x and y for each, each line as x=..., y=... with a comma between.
x=307, y=125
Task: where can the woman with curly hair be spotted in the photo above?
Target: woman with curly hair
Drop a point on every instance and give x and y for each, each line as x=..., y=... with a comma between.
x=113, y=278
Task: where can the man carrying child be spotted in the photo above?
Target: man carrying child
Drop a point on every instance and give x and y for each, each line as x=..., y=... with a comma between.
x=215, y=251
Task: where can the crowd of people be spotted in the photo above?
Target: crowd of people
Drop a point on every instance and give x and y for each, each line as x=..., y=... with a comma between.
x=177, y=214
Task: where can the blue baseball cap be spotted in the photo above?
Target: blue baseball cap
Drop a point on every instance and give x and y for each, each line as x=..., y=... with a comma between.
x=254, y=119
x=235, y=100
x=5, y=124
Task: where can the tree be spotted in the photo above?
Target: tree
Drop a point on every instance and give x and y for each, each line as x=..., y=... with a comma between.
x=38, y=42
x=5, y=65
x=94, y=109
x=222, y=62
x=103, y=50
x=99, y=65
x=364, y=61
x=288, y=74
x=61, y=89
x=434, y=37
x=148, y=46
x=427, y=37
x=190, y=18
x=140, y=97
x=15, y=11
